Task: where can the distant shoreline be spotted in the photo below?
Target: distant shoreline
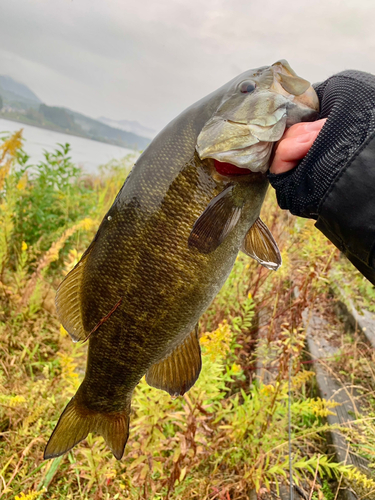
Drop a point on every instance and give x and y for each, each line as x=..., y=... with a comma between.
x=86, y=153
x=12, y=118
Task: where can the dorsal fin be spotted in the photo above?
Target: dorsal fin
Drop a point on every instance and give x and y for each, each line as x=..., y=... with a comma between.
x=261, y=246
x=178, y=372
x=68, y=301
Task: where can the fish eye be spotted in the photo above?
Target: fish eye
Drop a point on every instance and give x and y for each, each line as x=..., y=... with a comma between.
x=247, y=87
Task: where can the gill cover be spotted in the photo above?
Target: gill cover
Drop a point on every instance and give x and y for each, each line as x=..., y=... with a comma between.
x=253, y=115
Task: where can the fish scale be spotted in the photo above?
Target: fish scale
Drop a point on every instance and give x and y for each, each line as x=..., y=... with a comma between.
x=164, y=250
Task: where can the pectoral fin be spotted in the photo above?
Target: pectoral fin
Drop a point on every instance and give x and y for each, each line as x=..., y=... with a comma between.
x=217, y=221
x=261, y=246
x=179, y=372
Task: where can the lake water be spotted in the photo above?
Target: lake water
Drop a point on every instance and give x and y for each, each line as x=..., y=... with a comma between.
x=84, y=152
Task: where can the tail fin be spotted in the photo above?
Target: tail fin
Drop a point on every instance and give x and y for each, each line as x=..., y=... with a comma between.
x=76, y=422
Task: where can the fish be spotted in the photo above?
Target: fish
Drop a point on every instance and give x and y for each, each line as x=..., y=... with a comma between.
x=167, y=245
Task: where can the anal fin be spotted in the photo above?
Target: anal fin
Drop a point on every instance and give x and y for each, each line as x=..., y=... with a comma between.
x=178, y=372
x=261, y=246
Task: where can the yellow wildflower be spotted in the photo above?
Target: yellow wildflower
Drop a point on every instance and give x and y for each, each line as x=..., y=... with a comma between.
x=30, y=496
x=322, y=407
x=12, y=401
x=22, y=183
x=267, y=390
x=236, y=368
x=217, y=343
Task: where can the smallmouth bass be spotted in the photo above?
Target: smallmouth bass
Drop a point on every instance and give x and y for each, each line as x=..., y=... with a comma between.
x=167, y=245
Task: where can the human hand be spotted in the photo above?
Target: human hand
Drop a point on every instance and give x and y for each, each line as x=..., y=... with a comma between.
x=294, y=145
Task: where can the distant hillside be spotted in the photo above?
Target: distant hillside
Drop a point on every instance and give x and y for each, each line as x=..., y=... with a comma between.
x=129, y=126
x=97, y=130
x=20, y=104
x=17, y=94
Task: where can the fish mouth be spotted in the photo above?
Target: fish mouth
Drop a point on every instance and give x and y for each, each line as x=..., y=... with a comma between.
x=247, y=141
x=229, y=170
x=253, y=158
x=247, y=146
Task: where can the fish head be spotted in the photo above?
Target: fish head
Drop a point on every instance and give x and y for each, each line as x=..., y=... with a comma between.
x=253, y=115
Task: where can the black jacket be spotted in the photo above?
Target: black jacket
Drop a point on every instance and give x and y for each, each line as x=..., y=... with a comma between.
x=335, y=182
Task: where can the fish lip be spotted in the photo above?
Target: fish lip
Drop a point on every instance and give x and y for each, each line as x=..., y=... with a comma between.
x=260, y=168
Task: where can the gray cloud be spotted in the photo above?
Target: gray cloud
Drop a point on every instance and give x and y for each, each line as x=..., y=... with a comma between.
x=147, y=60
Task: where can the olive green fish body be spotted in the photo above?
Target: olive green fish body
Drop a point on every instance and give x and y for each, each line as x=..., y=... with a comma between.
x=164, y=285
x=166, y=247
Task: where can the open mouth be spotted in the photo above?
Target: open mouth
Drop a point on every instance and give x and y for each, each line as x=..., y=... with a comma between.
x=238, y=148
x=224, y=168
x=244, y=161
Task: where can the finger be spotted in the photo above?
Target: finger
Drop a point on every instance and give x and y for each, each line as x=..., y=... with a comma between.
x=304, y=128
x=291, y=150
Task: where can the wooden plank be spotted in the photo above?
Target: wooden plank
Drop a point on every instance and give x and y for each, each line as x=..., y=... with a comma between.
x=361, y=319
x=320, y=349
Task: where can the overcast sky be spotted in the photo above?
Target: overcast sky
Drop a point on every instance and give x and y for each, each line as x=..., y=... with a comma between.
x=147, y=60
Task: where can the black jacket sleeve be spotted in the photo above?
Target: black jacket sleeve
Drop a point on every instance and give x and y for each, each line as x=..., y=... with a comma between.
x=335, y=182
